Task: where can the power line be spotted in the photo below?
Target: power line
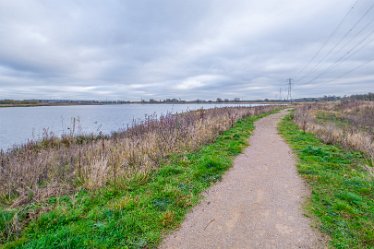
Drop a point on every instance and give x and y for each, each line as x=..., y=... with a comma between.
x=339, y=42
x=356, y=35
x=350, y=71
x=360, y=45
x=327, y=40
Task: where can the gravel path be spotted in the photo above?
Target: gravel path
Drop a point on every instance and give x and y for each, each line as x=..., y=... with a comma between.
x=258, y=203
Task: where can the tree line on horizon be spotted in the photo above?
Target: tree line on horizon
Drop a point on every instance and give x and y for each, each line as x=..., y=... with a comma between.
x=367, y=97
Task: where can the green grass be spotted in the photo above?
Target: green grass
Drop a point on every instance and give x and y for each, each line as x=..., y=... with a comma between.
x=132, y=213
x=342, y=199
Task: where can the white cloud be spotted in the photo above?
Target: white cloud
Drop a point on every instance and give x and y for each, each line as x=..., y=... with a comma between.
x=198, y=82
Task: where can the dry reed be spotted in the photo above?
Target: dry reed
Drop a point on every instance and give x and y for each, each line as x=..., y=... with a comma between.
x=55, y=165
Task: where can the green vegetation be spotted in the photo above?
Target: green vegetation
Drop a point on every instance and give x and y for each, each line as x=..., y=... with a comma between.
x=132, y=213
x=342, y=187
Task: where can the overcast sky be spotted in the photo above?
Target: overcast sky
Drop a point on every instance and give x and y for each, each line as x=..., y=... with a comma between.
x=133, y=49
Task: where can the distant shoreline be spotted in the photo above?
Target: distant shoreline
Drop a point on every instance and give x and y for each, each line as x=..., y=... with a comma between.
x=142, y=103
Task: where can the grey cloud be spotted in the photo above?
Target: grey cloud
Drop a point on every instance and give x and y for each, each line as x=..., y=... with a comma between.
x=167, y=48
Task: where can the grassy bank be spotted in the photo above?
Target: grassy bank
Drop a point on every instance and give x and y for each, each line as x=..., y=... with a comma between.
x=129, y=213
x=342, y=187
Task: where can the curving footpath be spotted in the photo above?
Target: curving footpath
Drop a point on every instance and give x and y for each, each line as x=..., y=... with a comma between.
x=257, y=205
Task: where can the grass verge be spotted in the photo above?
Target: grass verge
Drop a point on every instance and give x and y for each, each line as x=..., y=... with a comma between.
x=132, y=213
x=342, y=188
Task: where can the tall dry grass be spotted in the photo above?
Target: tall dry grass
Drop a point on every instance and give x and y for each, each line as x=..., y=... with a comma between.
x=55, y=166
x=349, y=123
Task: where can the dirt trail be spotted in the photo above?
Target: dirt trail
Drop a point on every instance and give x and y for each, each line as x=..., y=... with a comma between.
x=258, y=203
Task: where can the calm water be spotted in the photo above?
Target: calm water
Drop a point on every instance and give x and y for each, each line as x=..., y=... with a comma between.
x=17, y=125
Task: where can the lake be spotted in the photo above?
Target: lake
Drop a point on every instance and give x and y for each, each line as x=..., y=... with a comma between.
x=20, y=124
